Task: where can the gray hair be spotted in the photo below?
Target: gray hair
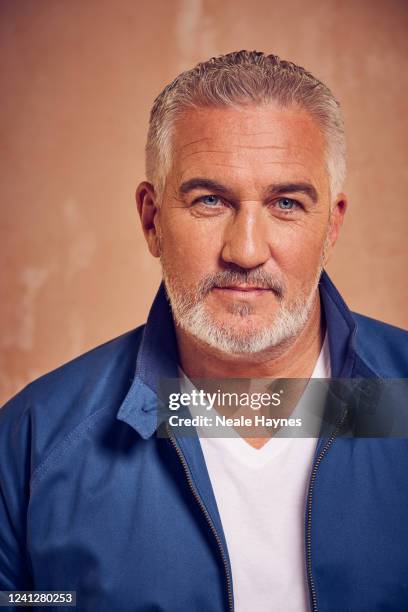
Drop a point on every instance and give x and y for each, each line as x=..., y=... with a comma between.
x=238, y=79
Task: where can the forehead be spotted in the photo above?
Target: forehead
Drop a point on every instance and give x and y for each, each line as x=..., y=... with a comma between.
x=256, y=144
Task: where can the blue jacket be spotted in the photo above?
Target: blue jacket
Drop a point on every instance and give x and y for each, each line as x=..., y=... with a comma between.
x=92, y=501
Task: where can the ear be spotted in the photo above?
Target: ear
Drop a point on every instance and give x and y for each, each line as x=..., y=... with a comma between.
x=336, y=221
x=147, y=208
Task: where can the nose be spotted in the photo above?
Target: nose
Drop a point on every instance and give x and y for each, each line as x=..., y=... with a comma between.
x=245, y=243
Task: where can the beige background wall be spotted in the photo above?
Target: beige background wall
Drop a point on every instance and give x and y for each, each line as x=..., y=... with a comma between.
x=77, y=80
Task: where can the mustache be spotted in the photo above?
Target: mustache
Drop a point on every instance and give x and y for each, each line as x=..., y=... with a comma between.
x=227, y=278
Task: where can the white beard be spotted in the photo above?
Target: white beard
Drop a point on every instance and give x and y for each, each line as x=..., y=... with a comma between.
x=192, y=315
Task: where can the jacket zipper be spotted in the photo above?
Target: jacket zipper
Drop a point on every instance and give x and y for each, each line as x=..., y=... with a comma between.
x=206, y=514
x=322, y=454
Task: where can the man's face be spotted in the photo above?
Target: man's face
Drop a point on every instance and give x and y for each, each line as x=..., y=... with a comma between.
x=244, y=224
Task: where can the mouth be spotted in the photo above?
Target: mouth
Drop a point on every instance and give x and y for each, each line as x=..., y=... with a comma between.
x=242, y=291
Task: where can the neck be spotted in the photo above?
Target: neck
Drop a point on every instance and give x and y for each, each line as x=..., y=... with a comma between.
x=295, y=358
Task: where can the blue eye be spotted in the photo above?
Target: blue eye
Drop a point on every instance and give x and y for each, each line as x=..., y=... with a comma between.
x=286, y=203
x=211, y=200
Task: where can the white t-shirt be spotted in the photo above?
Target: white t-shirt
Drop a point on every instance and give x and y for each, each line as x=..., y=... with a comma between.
x=261, y=498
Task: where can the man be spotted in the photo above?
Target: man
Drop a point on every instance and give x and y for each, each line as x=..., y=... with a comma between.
x=243, y=204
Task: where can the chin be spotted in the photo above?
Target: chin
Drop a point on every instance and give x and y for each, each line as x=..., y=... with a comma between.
x=235, y=335
x=242, y=333
x=234, y=342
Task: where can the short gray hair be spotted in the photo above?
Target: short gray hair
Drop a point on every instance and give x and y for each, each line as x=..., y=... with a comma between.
x=238, y=79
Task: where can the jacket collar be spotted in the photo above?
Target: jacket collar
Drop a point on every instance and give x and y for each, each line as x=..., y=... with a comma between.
x=341, y=328
x=158, y=355
x=157, y=358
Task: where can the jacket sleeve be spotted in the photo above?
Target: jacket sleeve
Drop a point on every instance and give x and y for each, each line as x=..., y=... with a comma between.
x=14, y=493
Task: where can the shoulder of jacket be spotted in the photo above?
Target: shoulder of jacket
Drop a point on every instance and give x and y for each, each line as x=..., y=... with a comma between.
x=58, y=403
x=382, y=346
x=78, y=372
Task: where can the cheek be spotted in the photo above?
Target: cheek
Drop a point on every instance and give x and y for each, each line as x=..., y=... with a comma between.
x=298, y=251
x=193, y=251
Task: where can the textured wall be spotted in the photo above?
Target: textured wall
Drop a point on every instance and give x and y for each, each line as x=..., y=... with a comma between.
x=78, y=78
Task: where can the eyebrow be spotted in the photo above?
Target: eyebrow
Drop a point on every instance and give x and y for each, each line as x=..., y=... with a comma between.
x=202, y=183
x=272, y=190
x=302, y=187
